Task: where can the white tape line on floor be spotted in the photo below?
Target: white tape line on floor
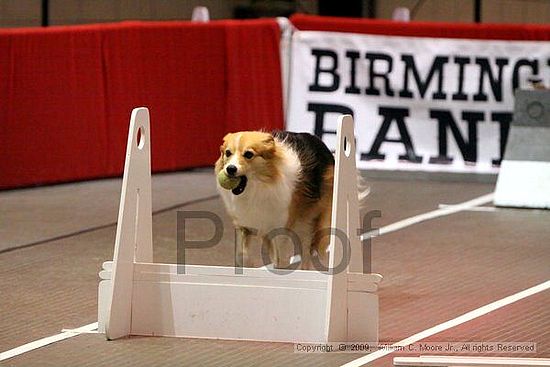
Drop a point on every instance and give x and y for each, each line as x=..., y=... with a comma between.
x=48, y=340
x=451, y=323
x=474, y=209
x=430, y=215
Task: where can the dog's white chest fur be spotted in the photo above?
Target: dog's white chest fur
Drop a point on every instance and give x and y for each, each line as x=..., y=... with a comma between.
x=264, y=206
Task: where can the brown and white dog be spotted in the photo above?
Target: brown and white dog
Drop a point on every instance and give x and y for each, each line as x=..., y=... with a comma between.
x=285, y=183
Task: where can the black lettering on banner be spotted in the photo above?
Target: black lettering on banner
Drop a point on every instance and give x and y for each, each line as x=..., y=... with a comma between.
x=398, y=115
x=534, y=64
x=460, y=95
x=353, y=56
x=371, y=90
x=503, y=119
x=494, y=82
x=320, y=54
x=468, y=148
x=437, y=67
x=320, y=110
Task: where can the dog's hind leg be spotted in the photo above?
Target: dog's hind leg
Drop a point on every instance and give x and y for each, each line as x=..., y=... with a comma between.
x=304, y=236
x=321, y=238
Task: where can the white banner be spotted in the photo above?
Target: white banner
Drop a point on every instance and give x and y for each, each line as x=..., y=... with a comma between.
x=419, y=103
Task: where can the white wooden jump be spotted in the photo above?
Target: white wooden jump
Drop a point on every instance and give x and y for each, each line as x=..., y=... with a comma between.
x=464, y=361
x=139, y=297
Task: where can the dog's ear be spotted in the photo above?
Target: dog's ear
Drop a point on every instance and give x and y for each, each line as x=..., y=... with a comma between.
x=266, y=148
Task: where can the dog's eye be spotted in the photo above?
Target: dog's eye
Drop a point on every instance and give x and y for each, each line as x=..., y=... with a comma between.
x=228, y=153
x=248, y=154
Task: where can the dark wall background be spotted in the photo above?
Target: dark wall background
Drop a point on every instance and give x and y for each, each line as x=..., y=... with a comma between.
x=28, y=13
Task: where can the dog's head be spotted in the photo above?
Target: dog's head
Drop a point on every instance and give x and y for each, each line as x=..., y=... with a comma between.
x=248, y=155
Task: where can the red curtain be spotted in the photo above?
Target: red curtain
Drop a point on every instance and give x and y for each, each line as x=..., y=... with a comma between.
x=253, y=94
x=422, y=29
x=66, y=94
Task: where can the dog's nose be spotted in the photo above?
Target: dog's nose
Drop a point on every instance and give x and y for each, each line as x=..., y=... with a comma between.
x=231, y=170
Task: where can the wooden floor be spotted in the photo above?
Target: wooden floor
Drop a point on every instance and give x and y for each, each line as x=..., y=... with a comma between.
x=54, y=239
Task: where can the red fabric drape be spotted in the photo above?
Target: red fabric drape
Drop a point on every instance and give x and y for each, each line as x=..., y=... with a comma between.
x=52, y=117
x=253, y=95
x=66, y=94
x=177, y=70
x=422, y=29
